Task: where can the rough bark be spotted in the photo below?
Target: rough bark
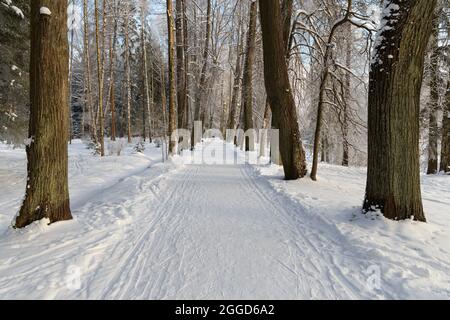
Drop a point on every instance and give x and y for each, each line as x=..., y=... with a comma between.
x=172, y=78
x=287, y=10
x=247, y=85
x=47, y=192
x=393, y=176
x=279, y=90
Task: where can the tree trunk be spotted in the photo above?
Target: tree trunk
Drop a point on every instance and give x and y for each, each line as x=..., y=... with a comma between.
x=433, y=104
x=322, y=87
x=172, y=78
x=144, y=115
x=113, y=111
x=87, y=59
x=187, y=117
x=279, y=90
x=263, y=136
x=72, y=34
x=100, y=79
x=247, y=85
x=145, y=93
x=287, y=10
x=164, y=107
x=145, y=74
x=224, y=108
x=112, y=95
x=236, y=83
x=445, y=145
x=47, y=192
x=181, y=75
x=347, y=96
x=128, y=72
x=393, y=175
x=199, y=109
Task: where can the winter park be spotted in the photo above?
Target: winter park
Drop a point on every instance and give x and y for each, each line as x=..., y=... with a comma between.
x=224, y=150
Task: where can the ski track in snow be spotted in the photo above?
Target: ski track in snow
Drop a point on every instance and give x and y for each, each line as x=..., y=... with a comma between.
x=190, y=232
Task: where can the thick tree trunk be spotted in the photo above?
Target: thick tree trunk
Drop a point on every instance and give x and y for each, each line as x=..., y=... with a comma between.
x=445, y=145
x=433, y=104
x=181, y=75
x=279, y=90
x=47, y=192
x=393, y=176
x=247, y=85
x=172, y=78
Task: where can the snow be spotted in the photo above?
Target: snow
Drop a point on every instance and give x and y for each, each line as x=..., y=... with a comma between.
x=45, y=11
x=28, y=141
x=388, y=19
x=413, y=257
x=363, y=23
x=18, y=12
x=146, y=229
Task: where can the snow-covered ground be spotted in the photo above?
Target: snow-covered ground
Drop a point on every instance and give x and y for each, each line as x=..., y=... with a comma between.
x=146, y=229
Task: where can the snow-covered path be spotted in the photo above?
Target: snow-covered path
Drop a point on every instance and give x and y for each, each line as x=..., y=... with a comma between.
x=200, y=231
x=218, y=232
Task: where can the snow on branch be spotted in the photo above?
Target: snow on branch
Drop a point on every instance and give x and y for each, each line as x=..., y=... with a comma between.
x=16, y=10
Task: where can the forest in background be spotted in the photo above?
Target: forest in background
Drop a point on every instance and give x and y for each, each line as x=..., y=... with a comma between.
x=328, y=74
x=143, y=23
